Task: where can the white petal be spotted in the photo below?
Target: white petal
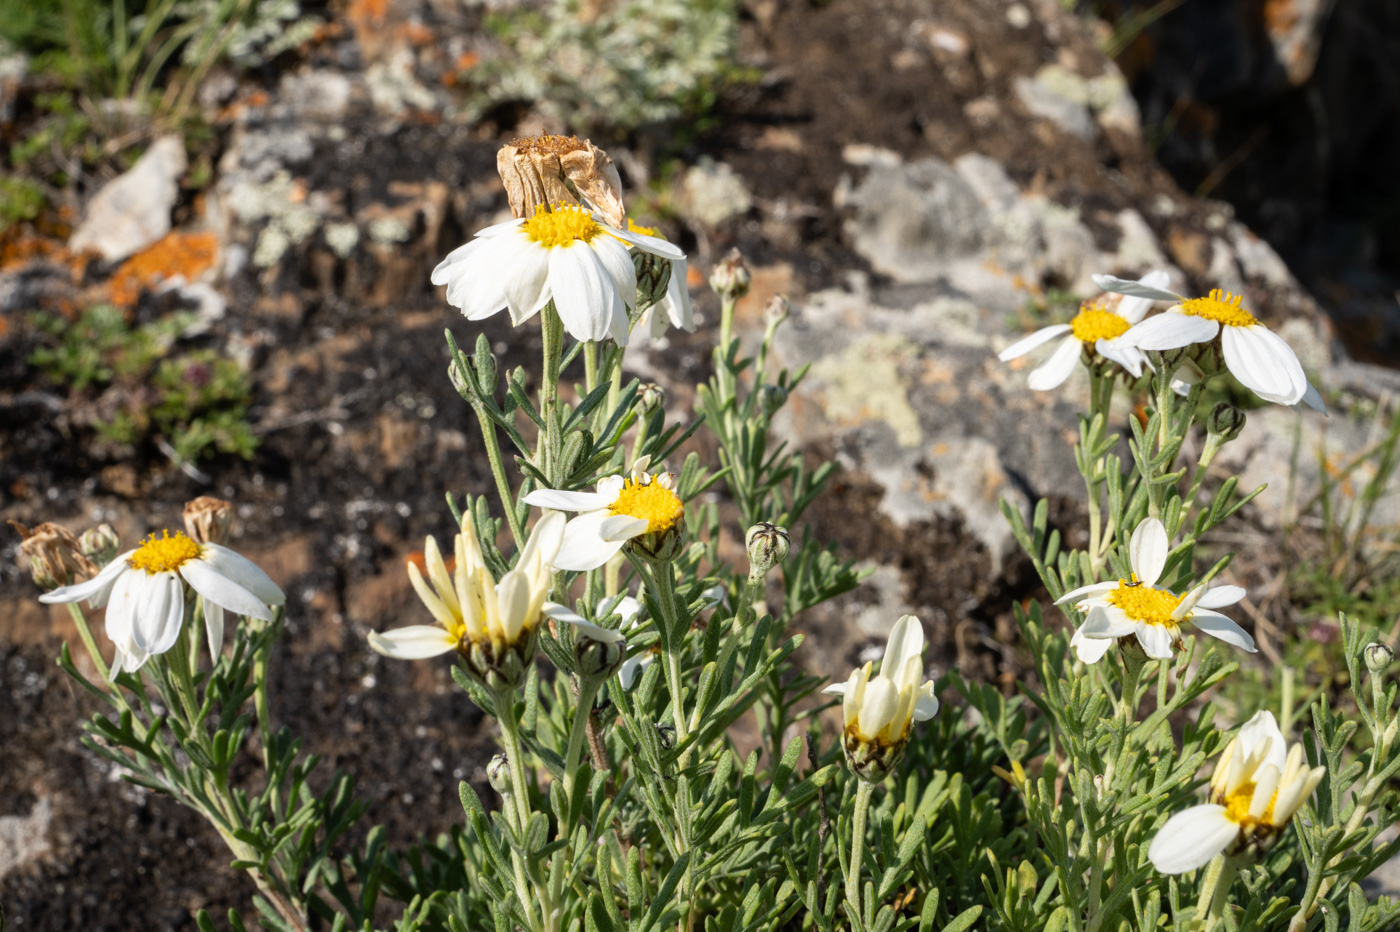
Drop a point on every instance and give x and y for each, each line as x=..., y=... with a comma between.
x=835, y=689
x=583, y=291
x=1156, y=641
x=582, y=547
x=1075, y=595
x=677, y=302
x=214, y=629
x=1090, y=650
x=1220, y=596
x=513, y=604
x=1260, y=737
x=496, y=229
x=1024, y=345
x=621, y=528
x=632, y=666
x=121, y=608
x=243, y=571
x=1171, y=330
x=1133, y=309
x=906, y=642
x=623, y=605
x=1147, y=550
x=544, y=541
x=615, y=258
x=596, y=632
x=168, y=607
x=568, y=501
x=1053, y=372
x=215, y=587
x=1147, y=288
x=525, y=281
x=1218, y=626
x=1264, y=364
x=1128, y=357
x=611, y=485
x=1313, y=399
x=412, y=643
x=151, y=609
x=925, y=703
x=1107, y=621
x=1191, y=838
x=96, y=590
x=878, y=707
x=651, y=244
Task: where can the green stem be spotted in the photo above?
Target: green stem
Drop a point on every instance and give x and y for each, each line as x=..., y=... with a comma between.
x=726, y=323
x=504, y=701
x=498, y=472
x=1215, y=892
x=1096, y=884
x=853, y=868
x=90, y=645
x=552, y=329
x=590, y=365
x=261, y=705
x=588, y=690
x=1132, y=669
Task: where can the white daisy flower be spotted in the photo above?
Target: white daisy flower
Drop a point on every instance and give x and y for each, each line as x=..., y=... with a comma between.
x=673, y=309
x=1254, y=354
x=145, y=593
x=565, y=255
x=1258, y=785
x=1097, y=328
x=881, y=710
x=642, y=509
x=1153, y=613
x=599, y=651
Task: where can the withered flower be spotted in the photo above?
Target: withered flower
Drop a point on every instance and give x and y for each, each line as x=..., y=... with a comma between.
x=560, y=170
x=208, y=519
x=54, y=555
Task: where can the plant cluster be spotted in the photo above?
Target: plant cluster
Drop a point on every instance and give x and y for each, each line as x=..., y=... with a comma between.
x=144, y=386
x=666, y=761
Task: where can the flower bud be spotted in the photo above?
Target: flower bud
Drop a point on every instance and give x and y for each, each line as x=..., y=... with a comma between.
x=461, y=381
x=1173, y=359
x=548, y=170
x=730, y=278
x=484, y=361
x=1225, y=422
x=100, y=544
x=771, y=398
x=767, y=545
x=1378, y=657
x=776, y=311
x=54, y=556
x=598, y=652
x=666, y=734
x=653, y=278
x=208, y=520
x=650, y=398
x=498, y=774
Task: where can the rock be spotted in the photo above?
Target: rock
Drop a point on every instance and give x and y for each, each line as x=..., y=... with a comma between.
x=1049, y=101
x=912, y=219
x=1295, y=29
x=712, y=193
x=25, y=839
x=316, y=94
x=133, y=211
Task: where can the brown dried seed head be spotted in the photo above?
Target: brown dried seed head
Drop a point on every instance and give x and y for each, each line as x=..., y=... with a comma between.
x=553, y=170
x=55, y=558
x=208, y=519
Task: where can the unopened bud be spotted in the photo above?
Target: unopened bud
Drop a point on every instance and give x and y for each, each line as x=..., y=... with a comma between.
x=100, y=544
x=498, y=774
x=54, y=556
x=461, y=381
x=545, y=170
x=484, y=361
x=653, y=278
x=650, y=398
x=666, y=734
x=598, y=652
x=776, y=310
x=1378, y=657
x=730, y=278
x=208, y=520
x=767, y=545
x=1225, y=421
x=771, y=398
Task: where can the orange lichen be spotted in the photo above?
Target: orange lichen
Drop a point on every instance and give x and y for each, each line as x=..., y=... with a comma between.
x=188, y=255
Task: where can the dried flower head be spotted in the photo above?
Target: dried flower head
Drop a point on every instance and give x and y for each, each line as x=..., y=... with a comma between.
x=208, y=519
x=550, y=170
x=54, y=555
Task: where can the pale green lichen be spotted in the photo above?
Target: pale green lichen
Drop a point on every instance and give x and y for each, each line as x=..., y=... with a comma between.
x=863, y=383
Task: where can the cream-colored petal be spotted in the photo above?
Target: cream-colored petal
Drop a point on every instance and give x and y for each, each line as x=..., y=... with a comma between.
x=442, y=583
x=906, y=642
x=429, y=598
x=925, y=702
x=1262, y=742
x=1266, y=780
x=513, y=603
x=878, y=707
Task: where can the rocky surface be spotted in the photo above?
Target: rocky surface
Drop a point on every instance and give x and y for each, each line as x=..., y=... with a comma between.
x=925, y=184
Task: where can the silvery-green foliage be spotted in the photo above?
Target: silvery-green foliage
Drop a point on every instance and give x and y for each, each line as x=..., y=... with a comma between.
x=607, y=65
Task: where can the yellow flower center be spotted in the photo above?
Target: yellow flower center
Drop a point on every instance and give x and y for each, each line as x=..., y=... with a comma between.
x=1220, y=306
x=1092, y=324
x=1237, y=806
x=644, y=231
x=658, y=505
x=561, y=226
x=164, y=554
x=1144, y=603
